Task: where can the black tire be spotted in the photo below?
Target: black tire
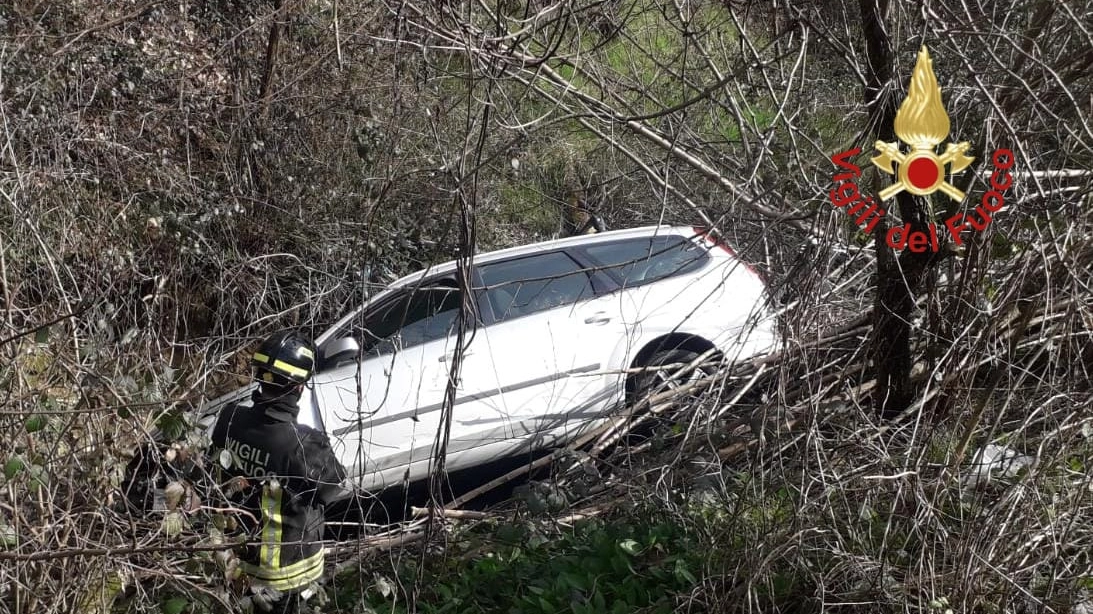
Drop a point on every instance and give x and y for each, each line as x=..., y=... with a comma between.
x=653, y=380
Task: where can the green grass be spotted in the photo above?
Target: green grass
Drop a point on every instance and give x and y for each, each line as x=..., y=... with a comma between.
x=521, y=202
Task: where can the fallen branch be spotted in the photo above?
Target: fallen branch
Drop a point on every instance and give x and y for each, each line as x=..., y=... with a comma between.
x=420, y=512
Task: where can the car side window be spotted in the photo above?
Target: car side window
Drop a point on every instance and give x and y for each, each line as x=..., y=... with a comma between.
x=415, y=316
x=634, y=262
x=532, y=284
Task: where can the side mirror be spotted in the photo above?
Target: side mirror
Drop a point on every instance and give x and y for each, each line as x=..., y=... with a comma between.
x=340, y=350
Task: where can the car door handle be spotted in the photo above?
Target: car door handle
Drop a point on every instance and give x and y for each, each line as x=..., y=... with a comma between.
x=600, y=317
x=451, y=355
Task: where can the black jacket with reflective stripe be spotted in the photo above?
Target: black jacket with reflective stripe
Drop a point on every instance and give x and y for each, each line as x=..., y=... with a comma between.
x=291, y=474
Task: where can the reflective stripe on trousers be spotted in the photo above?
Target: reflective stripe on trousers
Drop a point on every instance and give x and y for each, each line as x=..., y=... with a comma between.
x=269, y=570
x=297, y=575
x=272, y=526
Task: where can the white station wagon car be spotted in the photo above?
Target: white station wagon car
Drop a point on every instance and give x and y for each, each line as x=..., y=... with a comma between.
x=558, y=325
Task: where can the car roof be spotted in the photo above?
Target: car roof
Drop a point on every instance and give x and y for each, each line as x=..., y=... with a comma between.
x=521, y=250
x=546, y=246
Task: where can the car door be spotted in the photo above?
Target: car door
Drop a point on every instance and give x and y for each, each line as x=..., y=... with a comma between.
x=382, y=409
x=538, y=370
x=656, y=295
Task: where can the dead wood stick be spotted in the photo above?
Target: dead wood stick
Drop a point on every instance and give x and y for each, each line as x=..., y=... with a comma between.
x=630, y=422
x=419, y=512
x=624, y=423
x=272, y=48
x=515, y=473
x=107, y=25
x=589, y=513
x=739, y=394
x=370, y=545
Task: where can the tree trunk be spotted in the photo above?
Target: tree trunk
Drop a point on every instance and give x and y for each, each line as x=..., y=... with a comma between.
x=897, y=278
x=272, y=47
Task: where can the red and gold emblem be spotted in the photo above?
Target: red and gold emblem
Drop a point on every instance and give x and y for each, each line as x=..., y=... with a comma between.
x=922, y=124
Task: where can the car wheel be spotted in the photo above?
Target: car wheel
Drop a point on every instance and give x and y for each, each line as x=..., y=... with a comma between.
x=655, y=379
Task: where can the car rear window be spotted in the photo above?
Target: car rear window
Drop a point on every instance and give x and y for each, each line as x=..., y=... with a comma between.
x=634, y=262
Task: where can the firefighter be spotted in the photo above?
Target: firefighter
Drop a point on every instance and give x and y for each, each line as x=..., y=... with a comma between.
x=286, y=472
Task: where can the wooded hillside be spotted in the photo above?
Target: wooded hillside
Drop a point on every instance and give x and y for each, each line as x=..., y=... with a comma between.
x=179, y=178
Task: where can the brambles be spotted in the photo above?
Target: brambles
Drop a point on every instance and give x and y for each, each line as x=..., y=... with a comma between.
x=595, y=566
x=159, y=214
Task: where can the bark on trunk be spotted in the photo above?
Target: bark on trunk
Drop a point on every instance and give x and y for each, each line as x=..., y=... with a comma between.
x=897, y=277
x=272, y=47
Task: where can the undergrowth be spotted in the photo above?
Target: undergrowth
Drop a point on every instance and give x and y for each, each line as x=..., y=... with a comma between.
x=625, y=564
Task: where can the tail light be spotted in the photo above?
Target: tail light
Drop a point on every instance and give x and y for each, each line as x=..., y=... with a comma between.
x=710, y=236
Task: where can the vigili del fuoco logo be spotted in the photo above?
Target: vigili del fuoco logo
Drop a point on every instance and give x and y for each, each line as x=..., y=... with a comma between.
x=921, y=124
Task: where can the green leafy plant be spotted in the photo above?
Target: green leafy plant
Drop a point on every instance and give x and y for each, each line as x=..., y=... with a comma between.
x=596, y=567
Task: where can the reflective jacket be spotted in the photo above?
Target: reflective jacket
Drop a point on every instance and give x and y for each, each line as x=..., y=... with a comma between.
x=290, y=474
